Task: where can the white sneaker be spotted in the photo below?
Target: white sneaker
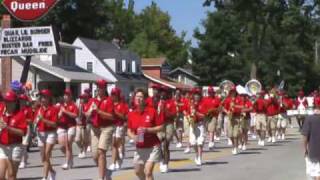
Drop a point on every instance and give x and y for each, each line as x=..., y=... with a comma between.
x=211, y=145
x=164, y=168
x=269, y=139
x=65, y=166
x=279, y=136
x=244, y=147
x=179, y=145
x=283, y=137
x=131, y=141
x=262, y=142
x=22, y=165
x=234, y=151
x=199, y=161
x=44, y=179
x=273, y=139
x=240, y=146
x=229, y=142
x=82, y=155
x=52, y=175
x=89, y=149
x=187, y=150
x=117, y=166
x=112, y=167
x=217, y=138
x=254, y=136
x=259, y=142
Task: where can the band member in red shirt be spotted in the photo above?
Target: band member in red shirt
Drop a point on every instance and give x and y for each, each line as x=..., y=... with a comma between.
x=68, y=113
x=273, y=108
x=45, y=121
x=285, y=104
x=167, y=110
x=212, y=104
x=83, y=133
x=25, y=107
x=102, y=114
x=245, y=121
x=120, y=115
x=196, y=114
x=260, y=108
x=143, y=126
x=153, y=100
x=13, y=127
x=233, y=106
x=180, y=108
x=301, y=105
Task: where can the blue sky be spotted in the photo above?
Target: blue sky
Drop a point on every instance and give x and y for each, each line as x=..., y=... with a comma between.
x=186, y=15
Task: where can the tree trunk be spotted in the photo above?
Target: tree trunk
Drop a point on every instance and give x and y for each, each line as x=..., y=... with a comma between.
x=253, y=73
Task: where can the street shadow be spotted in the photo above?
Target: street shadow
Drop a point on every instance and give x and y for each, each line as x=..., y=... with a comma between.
x=184, y=170
x=84, y=166
x=292, y=138
x=30, y=178
x=179, y=159
x=257, y=149
x=40, y=166
x=215, y=163
x=126, y=168
x=275, y=145
x=249, y=153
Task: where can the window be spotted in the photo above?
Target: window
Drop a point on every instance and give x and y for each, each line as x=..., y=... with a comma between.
x=123, y=65
x=118, y=66
x=134, y=66
x=89, y=66
x=129, y=67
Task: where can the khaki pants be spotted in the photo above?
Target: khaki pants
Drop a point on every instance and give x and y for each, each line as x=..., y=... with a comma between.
x=261, y=122
x=234, y=127
x=167, y=133
x=101, y=138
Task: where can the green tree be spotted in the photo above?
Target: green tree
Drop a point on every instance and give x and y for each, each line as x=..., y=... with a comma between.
x=157, y=37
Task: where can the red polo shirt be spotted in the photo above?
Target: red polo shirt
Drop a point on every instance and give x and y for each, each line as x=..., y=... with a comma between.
x=260, y=106
x=238, y=101
x=147, y=118
x=273, y=107
x=28, y=113
x=65, y=120
x=213, y=103
x=2, y=107
x=121, y=108
x=50, y=114
x=85, y=108
x=105, y=105
x=14, y=120
x=170, y=110
x=317, y=101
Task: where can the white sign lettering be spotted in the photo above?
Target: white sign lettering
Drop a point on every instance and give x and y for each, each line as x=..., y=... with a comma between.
x=27, y=41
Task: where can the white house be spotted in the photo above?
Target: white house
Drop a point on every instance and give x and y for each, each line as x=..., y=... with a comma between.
x=106, y=59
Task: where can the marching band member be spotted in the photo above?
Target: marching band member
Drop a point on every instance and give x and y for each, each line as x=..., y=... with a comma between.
x=13, y=127
x=101, y=112
x=186, y=99
x=26, y=108
x=272, y=112
x=83, y=133
x=260, y=117
x=180, y=108
x=68, y=113
x=45, y=121
x=244, y=122
x=143, y=126
x=285, y=104
x=120, y=112
x=233, y=105
x=197, y=112
x=301, y=104
x=213, y=104
x=167, y=110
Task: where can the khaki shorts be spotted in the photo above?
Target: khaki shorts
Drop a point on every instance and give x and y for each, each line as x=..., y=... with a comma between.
x=101, y=138
x=244, y=123
x=197, y=134
x=272, y=122
x=261, y=122
x=282, y=121
x=71, y=132
x=143, y=155
x=82, y=134
x=167, y=133
x=186, y=125
x=47, y=138
x=234, y=127
x=119, y=132
x=214, y=124
x=12, y=152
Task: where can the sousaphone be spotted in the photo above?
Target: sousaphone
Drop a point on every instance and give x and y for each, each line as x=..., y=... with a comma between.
x=225, y=86
x=254, y=87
